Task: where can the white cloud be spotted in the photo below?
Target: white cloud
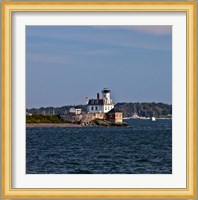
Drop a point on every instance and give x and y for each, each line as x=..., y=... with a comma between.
x=42, y=58
x=63, y=42
x=156, y=30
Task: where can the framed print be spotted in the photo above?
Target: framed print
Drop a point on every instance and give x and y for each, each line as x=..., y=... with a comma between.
x=99, y=100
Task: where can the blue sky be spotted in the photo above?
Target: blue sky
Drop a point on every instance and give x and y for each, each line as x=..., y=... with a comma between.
x=65, y=64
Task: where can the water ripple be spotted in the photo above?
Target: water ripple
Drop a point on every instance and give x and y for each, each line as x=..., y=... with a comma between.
x=143, y=148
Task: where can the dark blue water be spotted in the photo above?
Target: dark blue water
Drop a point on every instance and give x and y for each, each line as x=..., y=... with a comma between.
x=143, y=148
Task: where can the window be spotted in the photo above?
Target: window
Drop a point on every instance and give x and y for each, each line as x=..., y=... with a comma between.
x=92, y=108
x=96, y=107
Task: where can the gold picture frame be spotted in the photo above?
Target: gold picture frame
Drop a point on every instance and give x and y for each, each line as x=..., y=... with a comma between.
x=7, y=9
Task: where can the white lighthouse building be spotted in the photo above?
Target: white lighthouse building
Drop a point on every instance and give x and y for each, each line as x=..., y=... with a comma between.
x=101, y=105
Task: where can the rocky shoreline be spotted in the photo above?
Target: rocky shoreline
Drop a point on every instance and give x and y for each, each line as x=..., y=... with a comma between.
x=93, y=123
x=102, y=122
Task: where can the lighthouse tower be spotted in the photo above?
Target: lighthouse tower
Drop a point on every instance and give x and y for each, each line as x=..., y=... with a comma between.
x=106, y=95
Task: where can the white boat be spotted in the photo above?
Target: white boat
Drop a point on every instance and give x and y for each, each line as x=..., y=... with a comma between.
x=153, y=119
x=135, y=116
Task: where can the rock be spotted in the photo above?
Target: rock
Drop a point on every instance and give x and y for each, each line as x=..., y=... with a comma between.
x=119, y=124
x=102, y=122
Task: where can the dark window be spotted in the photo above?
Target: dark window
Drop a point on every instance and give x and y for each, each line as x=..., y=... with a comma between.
x=91, y=107
x=96, y=107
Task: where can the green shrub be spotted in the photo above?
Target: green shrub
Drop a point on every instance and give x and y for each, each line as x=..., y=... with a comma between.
x=36, y=119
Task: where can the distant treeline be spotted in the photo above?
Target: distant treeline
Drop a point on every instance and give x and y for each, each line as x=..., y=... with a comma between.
x=128, y=109
x=54, y=110
x=145, y=109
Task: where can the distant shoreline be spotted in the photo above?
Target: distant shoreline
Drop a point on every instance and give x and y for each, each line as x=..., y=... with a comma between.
x=40, y=125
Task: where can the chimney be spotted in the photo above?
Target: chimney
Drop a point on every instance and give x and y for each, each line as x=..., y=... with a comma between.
x=98, y=96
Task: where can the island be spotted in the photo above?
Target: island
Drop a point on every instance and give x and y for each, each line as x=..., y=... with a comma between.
x=99, y=111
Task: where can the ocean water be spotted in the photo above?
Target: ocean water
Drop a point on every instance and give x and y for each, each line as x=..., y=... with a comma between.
x=143, y=148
